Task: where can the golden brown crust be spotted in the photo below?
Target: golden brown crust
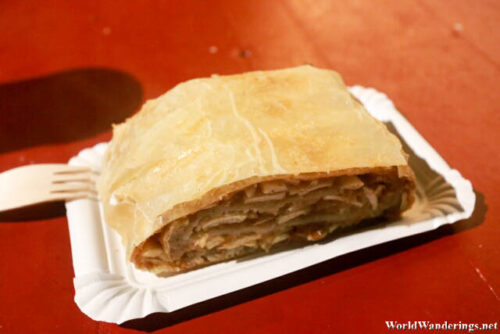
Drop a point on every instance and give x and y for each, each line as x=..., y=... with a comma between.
x=207, y=138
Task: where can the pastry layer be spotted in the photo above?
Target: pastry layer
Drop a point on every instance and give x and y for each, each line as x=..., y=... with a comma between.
x=203, y=146
x=264, y=214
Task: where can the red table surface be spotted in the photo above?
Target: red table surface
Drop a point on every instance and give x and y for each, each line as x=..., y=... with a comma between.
x=68, y=69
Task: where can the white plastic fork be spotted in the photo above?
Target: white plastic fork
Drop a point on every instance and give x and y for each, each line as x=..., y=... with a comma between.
x=33, y=184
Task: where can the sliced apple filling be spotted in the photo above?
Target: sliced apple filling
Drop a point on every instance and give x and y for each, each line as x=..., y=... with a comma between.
x=267, y=213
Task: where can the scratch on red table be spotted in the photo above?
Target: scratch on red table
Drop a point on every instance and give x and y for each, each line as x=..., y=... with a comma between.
x=483, y=278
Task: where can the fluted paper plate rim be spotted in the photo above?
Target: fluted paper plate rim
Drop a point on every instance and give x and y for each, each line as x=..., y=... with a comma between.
x=109, y=288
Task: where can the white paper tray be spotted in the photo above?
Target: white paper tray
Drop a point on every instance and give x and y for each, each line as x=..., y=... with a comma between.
x=109, y=288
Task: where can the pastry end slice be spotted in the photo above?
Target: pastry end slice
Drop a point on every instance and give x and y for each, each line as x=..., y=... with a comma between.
x=222, y=167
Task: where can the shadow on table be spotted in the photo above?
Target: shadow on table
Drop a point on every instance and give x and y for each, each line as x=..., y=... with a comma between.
x=161, y=320
x=65, y=106
x=60, y=108
x=38, y=212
